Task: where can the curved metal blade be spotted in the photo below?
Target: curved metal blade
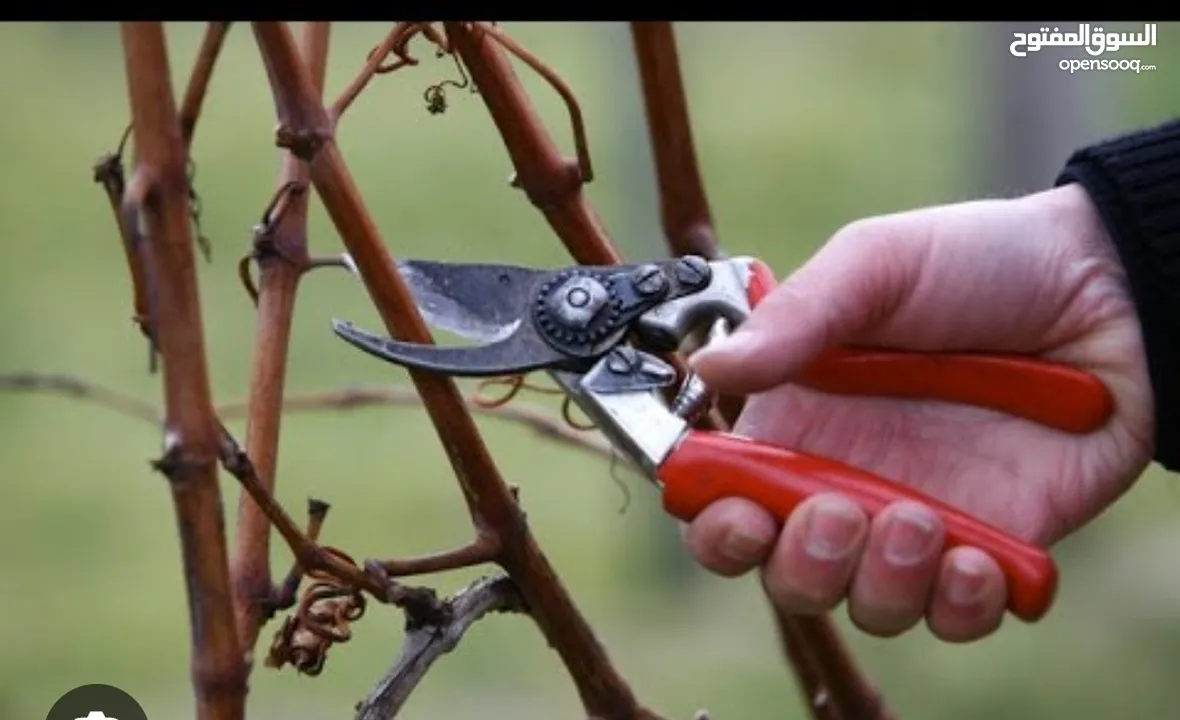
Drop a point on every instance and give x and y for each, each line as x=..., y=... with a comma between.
x=477, y=301
x=521, y=352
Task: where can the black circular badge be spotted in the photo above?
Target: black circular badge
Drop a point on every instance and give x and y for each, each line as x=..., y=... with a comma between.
x=96, y=702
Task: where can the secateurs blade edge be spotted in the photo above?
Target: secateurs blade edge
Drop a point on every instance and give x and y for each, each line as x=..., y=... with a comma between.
x=597, y=329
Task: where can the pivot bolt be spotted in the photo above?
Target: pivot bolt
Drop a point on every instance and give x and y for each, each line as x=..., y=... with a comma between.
x=577, y=301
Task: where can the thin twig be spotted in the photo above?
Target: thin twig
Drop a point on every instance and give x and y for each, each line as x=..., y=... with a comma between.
x=537, y=419
x=424, y=645
x=581, y=144
x=308, y=553
x=110, y=172
x=477, y=552
x=394, y=42
x=190, y=437
x=541, y=421
x=81, y=389
x=198, y=83
x=286, y=592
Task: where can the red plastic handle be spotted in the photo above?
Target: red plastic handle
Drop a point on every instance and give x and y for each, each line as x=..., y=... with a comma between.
x=708, y=466
x=1055, y=395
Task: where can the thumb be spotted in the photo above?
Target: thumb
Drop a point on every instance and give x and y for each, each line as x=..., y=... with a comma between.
x=857, y=279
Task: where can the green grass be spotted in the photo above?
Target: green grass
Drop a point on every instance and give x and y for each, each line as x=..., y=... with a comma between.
x=799, y=130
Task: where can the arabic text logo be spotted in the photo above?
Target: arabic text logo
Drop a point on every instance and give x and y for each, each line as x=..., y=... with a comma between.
x=1095, y=40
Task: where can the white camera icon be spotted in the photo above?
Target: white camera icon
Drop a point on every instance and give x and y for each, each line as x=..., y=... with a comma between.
x=97, y=715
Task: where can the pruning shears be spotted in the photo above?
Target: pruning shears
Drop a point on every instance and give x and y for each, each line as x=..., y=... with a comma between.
x=599, y=330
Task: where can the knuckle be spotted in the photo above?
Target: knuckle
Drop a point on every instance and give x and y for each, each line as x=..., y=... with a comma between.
x=865, y=233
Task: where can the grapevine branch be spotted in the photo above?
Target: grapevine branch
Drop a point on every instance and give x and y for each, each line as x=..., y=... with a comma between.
x=232, y=596
x=190, y=435
x=427, y=643
x=281, y=253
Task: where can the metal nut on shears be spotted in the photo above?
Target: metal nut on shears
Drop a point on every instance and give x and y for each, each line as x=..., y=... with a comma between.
x=577, y=301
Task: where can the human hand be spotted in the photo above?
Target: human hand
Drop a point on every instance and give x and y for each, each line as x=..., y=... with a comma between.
x=1034, y=275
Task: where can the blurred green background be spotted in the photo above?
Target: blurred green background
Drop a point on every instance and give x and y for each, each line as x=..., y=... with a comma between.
x=800, y=129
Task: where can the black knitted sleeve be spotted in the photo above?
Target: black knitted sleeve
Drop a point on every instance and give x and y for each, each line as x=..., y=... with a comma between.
x=1134, y=180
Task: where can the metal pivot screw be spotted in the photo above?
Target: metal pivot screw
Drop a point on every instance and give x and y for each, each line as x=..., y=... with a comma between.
x=577, y=301
x=622, y=361
x=649, y=279
x=693, y=270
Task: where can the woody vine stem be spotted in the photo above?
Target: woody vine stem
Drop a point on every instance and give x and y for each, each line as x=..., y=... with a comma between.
x=232, y=591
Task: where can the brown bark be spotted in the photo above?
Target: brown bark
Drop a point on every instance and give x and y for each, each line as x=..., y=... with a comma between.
x=190, y=428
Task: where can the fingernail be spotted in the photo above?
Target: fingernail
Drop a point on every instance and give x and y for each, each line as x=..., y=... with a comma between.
x=910, y=537
x=741, y=546
x=832, y=529
x=966, y=582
